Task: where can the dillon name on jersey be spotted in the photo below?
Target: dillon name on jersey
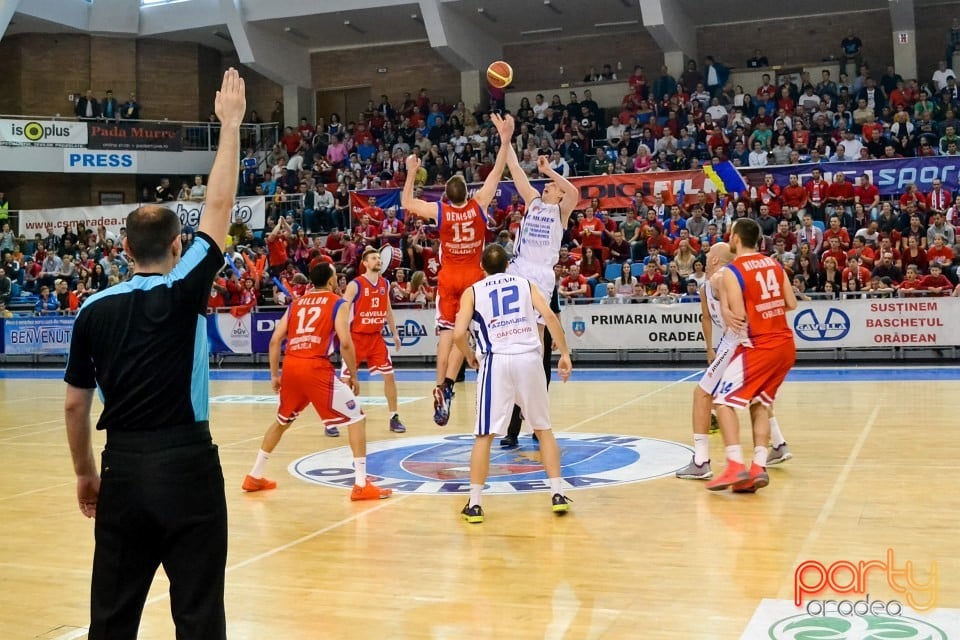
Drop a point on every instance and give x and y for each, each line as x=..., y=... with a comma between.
x=504, y=320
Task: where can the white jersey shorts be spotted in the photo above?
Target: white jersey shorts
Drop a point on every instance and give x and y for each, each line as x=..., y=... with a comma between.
x=505, y=380
x=714, y=373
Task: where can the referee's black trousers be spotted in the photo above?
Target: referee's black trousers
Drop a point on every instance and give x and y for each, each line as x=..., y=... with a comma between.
x=161, y=503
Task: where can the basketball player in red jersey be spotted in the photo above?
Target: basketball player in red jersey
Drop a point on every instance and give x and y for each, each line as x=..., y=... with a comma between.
x=756, y=296
x=462, y=222
x=370, y=296
x=312, y=326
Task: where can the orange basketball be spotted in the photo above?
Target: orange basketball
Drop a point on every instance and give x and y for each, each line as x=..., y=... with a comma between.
x=499, y=74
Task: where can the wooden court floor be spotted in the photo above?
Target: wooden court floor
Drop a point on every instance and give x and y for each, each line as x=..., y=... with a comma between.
x=875, y=467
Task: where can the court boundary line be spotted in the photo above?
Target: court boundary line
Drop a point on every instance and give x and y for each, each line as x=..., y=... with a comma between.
x=827, y=509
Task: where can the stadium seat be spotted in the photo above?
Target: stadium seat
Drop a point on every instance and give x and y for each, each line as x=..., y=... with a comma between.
x=612, y=272
x=819, y=225
x=600, y=290
x=636, y=269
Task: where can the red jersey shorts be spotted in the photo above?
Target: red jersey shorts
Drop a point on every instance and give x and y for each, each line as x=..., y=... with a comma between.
x=372, y=349
x=755, y=375
x=306, y=381
x=452, y=283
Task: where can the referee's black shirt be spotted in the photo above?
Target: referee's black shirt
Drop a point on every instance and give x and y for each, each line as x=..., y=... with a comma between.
x=143, y=344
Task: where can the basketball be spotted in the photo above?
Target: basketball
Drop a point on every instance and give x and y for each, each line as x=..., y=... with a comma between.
x=499, y=74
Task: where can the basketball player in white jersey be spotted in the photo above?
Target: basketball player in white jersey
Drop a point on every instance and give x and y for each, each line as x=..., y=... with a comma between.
x=501, y=311
x=699, y=468
x=537, y=247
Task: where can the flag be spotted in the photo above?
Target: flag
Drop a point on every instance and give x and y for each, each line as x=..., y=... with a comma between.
x=726, y=177
x=682, y=192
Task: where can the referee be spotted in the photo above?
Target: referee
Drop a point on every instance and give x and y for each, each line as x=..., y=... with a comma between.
x=159, y=496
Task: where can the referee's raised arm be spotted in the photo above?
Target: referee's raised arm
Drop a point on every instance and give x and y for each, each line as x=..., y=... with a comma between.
x=230, y=106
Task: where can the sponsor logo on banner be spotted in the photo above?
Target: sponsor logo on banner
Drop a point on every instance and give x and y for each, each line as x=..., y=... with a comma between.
x=834, y=325
x=864, y=619
x=410, y=330
x=579, y=326
x=146, y=136
x=252, y=210
x=440, y=465
x=234, y=332
x=43, y=133
x=37, y=336
x=84, y=161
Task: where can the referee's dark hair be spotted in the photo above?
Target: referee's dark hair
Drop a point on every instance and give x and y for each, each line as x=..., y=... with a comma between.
x=151, y=230
x=320, y=274
x=494, y=259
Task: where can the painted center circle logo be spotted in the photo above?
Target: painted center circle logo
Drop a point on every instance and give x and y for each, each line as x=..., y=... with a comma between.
x=441, y=464
x=854, y=628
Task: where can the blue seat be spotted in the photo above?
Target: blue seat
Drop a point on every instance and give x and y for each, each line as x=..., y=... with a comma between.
x=600, y=290
x=612, y=272
x=819, y=225
x=636, y=269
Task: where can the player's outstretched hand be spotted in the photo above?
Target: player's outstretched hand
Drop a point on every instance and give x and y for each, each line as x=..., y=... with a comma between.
x=564, y=367
x=413, y=163
x=231, y=102
x=543, y=164
x=504, y=125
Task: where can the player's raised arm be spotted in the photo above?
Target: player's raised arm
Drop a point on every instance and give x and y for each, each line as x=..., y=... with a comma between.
x=413, y=205
x=489, y=189
x=565, y=366
x=230, y=106
x=571, y=195
x=520, y=180
x=462, y=326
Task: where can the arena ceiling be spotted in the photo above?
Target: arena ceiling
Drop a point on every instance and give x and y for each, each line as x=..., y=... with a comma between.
x=335, y=24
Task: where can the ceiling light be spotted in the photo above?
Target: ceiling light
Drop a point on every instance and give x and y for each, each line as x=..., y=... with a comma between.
x=296, y=33
x=537, y=32
x=622, y=23
x=353, y=27
x=549, y=5
x=486, y=14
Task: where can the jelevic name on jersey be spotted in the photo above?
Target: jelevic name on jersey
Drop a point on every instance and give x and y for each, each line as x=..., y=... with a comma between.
x=504, y=320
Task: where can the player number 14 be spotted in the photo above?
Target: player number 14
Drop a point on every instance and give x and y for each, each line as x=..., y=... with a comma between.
x=769, y=282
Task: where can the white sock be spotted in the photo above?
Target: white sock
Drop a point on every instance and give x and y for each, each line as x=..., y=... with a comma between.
x=760, y=456
x=476, y=492
x=260, y=465
x=776, y=438
x=555, y=485
x=734, y=453
x=701, y=448
x=360, y=471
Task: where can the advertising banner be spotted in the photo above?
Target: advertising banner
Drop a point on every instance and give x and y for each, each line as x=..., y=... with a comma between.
x=887, y=322
x=633, y=326
x=130, y=136
x=84, y=161
x=44, y=335
x=889, y=176
x=43, y=133
x=250, y=210
x=229, y=334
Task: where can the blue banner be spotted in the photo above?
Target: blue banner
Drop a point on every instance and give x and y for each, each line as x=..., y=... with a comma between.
x=48, y=336
x=890, y=176
x=262, y=330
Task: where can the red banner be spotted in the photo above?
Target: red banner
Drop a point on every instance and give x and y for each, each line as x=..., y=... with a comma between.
x=618, y=190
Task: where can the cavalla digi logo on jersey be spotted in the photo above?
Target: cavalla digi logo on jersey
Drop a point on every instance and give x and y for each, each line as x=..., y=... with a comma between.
x=827, y=326
x=440, y=465
x=411, y=332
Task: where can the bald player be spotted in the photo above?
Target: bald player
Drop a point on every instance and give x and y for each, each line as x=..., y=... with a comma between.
x=718, y=257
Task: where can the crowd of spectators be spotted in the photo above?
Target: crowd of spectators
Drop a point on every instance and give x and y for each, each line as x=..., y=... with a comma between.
x=832, y=237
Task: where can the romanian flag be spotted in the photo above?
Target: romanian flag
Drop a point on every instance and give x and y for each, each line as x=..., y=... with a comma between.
x=726, y=177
